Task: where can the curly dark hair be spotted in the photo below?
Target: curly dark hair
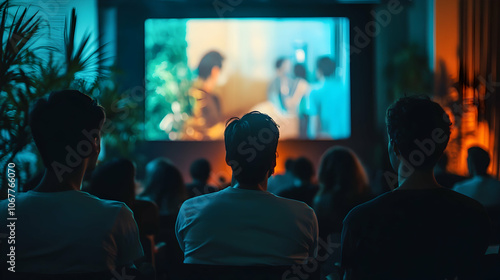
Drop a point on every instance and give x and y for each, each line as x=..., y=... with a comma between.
x=419, y=128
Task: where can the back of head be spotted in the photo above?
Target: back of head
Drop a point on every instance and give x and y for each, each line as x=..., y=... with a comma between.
x=164, y=183
x=341, y=171
x=300, y=71
x=326, y=66
x=208, y=62
x=200, y=170
x=65, y=121
x=420, y=129
x=114, y=180
x=251, y=144
x=279, y=62
x=478, y=160
x=289, y=164
x=303, y=169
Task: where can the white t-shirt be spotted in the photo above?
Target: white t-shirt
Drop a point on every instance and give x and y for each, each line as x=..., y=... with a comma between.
x=70, y=232
x=246, y=227
x=484, y=189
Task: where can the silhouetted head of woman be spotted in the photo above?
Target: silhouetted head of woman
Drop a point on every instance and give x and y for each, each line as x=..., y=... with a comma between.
x=114, y=180
x=341, y=172
x=164, y=185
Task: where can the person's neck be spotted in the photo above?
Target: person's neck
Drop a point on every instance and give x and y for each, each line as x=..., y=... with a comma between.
x=417, y=180
x=71, y=181
x=207, y=85
x=477, y=174
x=262, y=186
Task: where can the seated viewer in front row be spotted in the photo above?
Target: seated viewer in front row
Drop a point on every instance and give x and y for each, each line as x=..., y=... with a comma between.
x=246, y=225
x=420, y=230
x=61, y=229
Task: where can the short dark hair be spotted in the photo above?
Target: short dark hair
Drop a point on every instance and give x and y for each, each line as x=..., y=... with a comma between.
x=300, y=71
x=303, y=169
x=251, y=144
x=479, y=160
x=200, y=170
x=279, y=62
x=114, y=180
x=326, y=65
x=209, y=61
x=420, y=128
x=289, y=164
x=61, y=121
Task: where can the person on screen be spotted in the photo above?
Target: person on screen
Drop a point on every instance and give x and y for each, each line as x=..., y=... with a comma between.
x=300, y=97
x=280, y=88
x=328, y=104
x=280, y=91
x=420, y=230
x=205, y=122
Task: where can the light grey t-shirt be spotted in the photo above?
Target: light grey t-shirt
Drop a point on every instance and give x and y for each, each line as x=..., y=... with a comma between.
x=246, y=227
x=71, y=232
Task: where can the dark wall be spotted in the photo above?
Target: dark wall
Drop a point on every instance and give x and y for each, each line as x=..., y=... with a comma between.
x=130, y=59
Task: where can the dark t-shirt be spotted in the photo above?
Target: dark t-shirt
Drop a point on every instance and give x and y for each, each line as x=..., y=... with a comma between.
x=415, y=234
x=304, y=193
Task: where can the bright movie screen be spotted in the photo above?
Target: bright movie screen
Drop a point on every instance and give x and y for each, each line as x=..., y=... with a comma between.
x=200, y=72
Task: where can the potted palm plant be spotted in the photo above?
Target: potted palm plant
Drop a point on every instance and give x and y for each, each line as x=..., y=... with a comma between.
x=25, y=75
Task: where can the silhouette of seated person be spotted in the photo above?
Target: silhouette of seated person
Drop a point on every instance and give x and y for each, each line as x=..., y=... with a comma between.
x=200, y=172
x=343, y=184
x=420, y=230
x=164, y=185
x=302, y=188
x=115, y=180
x=481, y=187
x=443, y=177
x=280, y=182
x=61, y=229
x=245, y=225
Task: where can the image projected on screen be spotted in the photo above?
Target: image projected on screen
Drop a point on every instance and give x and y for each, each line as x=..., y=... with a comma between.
x=200, y=72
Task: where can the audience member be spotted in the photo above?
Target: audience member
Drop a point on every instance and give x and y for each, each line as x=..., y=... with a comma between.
x=302, y=188
x=62, y=230
x=279, y=182
x=200, y=172
x=115, y=180
x=165, y=186
x=245, y=224
x=343, y=184
x=420, y=230
x=481, y=186
x=443, y=177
